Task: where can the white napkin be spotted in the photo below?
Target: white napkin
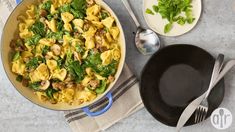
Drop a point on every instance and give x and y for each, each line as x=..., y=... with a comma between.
x=126, y=100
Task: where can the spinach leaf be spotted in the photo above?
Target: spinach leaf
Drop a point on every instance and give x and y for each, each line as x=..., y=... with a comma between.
x=35, y=85
x=16, y=56
x=47, y=5
x=50, y=91
x=65, y=8
x=32, y=63
x=19, y=78
x=78, y=13
x=79, y=4
x=33, y=40
x=49, y=17
x=38, y=28
x=94, y=61
x=104, y=15
x=79, y=49
x=60, y=62
x=110, y=69
x=94, y=58
x=60, y=25
x=102, y=87
x=78, y=8
x=55, y=35
x=76, y=70
x=45, y=49
x=69, y=58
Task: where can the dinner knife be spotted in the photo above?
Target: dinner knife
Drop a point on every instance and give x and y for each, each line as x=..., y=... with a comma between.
x=189, y=110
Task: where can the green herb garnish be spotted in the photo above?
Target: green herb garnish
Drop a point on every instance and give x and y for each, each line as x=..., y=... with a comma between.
x=149, y=11
x=167, y=27
x=179, y=11
x=155, y=8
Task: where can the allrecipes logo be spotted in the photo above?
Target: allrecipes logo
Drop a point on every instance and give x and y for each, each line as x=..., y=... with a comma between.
x=221, y=118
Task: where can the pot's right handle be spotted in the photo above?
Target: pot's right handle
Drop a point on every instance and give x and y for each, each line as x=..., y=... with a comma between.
x=18, y=2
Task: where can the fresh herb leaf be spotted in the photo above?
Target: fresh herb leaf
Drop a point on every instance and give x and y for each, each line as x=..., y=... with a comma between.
x=149, y=11
x=155, y=8
x=167, y=27
x=173, y=11
x=19, y=78
x=50, y=91
x=190, y=20
x=35, y=85
x=181, y=21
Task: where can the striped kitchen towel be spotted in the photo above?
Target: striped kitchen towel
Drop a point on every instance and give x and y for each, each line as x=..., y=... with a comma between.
x=126, y=100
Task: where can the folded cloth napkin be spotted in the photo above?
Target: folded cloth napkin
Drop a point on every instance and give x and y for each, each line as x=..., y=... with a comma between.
x=126, y=100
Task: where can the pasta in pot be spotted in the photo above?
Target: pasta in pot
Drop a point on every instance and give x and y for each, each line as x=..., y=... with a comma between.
x=67, y=51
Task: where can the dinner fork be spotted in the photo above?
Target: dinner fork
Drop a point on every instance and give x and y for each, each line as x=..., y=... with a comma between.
x=202, y=109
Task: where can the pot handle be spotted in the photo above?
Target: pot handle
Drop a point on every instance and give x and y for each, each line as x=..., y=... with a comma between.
x=18, y=2
x=89, y=113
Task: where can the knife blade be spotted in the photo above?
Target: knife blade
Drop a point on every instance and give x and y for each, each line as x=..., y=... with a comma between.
x=189, y=110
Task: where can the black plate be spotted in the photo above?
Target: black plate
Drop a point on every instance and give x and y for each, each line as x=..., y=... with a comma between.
x=173, y=77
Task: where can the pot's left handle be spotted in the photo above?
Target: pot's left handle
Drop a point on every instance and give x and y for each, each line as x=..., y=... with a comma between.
x=89, y=113
x=18, y=2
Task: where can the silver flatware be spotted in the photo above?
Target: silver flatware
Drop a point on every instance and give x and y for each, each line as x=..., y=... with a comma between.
x=189, y=110
x=226, y=67
x=202, y=109
x=146, y=40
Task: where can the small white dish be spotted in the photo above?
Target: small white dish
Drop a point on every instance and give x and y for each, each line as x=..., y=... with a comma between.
x=156, y=23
